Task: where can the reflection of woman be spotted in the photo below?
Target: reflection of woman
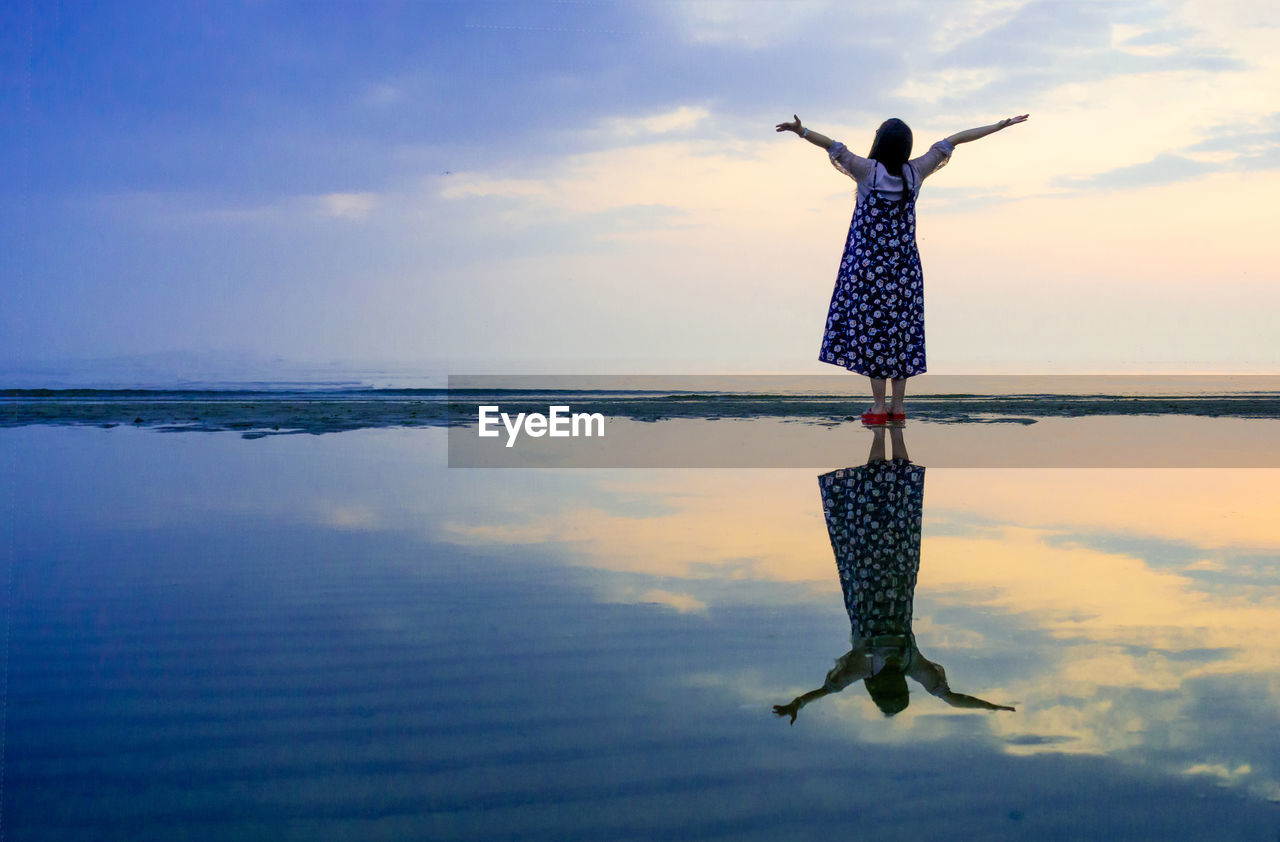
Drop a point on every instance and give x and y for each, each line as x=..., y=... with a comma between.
x=873, y=515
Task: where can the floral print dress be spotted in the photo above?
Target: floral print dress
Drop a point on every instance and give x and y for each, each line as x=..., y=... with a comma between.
x=875, y=324
x=874, y=514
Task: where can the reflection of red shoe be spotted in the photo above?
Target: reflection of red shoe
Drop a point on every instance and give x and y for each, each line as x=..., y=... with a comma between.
x=875, y=419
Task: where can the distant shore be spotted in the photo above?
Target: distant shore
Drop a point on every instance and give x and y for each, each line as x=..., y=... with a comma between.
x=275, y=412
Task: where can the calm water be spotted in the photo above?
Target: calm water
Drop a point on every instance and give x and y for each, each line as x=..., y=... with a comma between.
x=336, y=637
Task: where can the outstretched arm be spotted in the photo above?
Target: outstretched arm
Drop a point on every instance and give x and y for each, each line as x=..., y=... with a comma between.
x=973, y=134
x=841, y=158
x=960, y=700
x=850, y=667
x=808, y=134
x=793, y=707
x=934, y=679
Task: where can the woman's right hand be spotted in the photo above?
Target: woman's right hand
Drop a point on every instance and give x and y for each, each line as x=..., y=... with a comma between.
x=793, y=126
x=789, y=709
x=1009, y=121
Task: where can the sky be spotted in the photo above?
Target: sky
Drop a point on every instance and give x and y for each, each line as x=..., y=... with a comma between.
x=595, y=187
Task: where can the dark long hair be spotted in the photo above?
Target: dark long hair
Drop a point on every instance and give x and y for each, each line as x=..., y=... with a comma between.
x=888, y=689
x=892, y=147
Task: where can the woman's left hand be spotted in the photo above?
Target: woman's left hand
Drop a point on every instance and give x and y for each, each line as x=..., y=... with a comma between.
x=793, y=126
x=1009, y=121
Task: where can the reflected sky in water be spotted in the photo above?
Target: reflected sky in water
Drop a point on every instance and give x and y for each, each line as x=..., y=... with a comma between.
x=336, y=637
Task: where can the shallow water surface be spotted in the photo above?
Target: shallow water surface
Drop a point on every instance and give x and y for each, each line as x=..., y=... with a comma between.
x=337, y=637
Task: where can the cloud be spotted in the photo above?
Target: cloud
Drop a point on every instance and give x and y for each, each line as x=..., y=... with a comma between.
x=185, y=208
x=1248, y=143
x=357, y=518
x=1166, y=168
x=1226, y=148
x=1020, y=40
x=1043, y=46
x=680, y=119
x=682, y=603
x=748, y=25
x=348, y=205
x=1219, y=771
x=662, y=186
x=1154, y=41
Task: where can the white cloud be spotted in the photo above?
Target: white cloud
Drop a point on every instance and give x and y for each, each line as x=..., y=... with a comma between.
x=752, y=25
x=949, y=82
x=1139, y=41
x=350, y=517
x=682, y=603
x=679, y=119
x=348, y=205
x=180, y=208
x=1219, y=771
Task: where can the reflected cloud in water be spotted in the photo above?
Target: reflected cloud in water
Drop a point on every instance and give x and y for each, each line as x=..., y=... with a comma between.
x=1132, y=616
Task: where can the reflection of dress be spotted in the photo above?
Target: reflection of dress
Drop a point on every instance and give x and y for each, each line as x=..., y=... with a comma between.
x=873, y=514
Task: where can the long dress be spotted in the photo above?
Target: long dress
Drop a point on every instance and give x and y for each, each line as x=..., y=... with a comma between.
x=875, y=324
x=874, y=515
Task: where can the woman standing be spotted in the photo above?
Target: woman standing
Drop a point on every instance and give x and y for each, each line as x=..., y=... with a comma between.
x=875, y=324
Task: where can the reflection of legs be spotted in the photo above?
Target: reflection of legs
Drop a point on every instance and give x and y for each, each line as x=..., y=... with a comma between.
x=899, y=393
x=899, y=444
x=877, y=394
x=877, y=445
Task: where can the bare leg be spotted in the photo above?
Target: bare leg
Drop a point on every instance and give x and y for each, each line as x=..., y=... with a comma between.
x=877, y=394
x=877, y=445
x=899, y=444
x=899, y=393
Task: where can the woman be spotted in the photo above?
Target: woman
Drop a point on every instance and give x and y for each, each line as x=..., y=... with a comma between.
x=875, y=325
x=874, y=514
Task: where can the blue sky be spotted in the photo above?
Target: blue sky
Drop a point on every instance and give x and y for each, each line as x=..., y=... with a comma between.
x=574, y=186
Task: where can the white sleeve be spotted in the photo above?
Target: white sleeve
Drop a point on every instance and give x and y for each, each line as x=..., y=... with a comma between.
x=848, y=163
x=935, y=159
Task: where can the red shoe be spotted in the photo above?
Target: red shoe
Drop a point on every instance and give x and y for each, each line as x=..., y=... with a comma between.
x=898, y=417
x=875, y=419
